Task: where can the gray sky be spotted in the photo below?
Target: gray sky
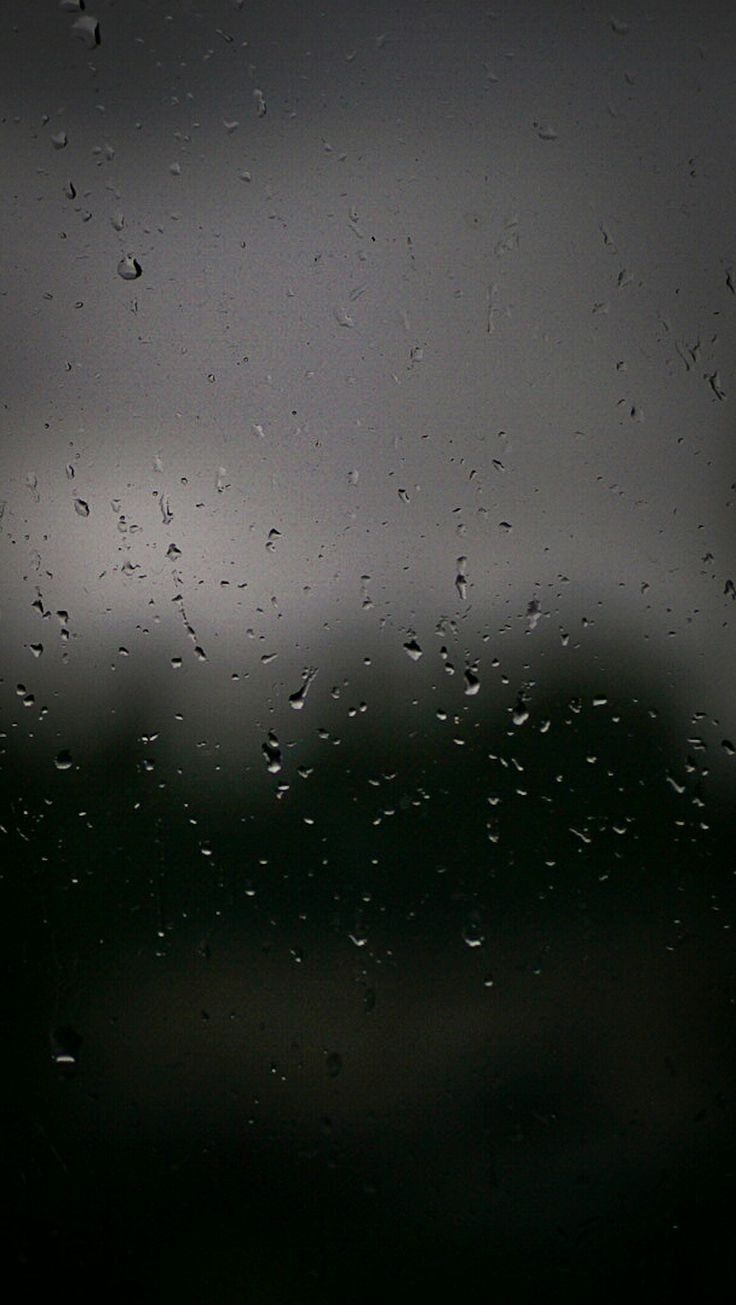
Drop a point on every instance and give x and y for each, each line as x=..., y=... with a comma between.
x=470, y=267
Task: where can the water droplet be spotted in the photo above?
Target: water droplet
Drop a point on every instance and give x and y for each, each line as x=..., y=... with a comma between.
x=36, y=649
x=230, y=125
x=81, y=508
x=545, y=132
x=166, y=513
x=65, y=1047
x=70, y=190
x=175, y=169
x=129, y=268
x=63, y=760
x=60, y=140
x=413, y=650
x=87, y=29
x=533, y=613
x=520, y=714
x=343, y=318
x=472, y=683
x=260, y=100
x=221, y=481
x=118, y=221
x=296, y=700
x=473, y=934
x=272, y=752
x=619, y=27
x=728, y=747
x=172, y=552
x=273, y=535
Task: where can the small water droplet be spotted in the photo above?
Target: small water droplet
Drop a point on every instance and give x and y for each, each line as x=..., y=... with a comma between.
x=412, y=649
x=65, y=1047
x=60, y=140
x=81, y=508
x=63, y=760
x=473, y=934
x=129, y=268
x=472, y=683
x=520, y=714
x=87, y=29
x=296, y=700
x=272, y=752
x=533, y=613
x=260, y=100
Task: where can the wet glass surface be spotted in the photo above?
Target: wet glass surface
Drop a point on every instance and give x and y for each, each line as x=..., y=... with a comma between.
x=368, y=721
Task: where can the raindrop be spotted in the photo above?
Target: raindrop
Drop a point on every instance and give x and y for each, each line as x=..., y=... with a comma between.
x=296, y=700
x=546, y=132
x=230, y=125
x=172, y=552
x=520, y=714
x=129, y=268
x=343, y=318
x=81, y=508
x=472, y=683
x=413, y=650
x=533, y=613
x=473, y=935
x=36, y=649
x=166, y=513
x=728, y=747
x=221, y=481
x=272, y=752
x=461, y=580
x=260, y=100
x=65, y=1047
x=63, y=760
x=88, y=30
x=118, y=221
x=273, y=535
x=60, y=140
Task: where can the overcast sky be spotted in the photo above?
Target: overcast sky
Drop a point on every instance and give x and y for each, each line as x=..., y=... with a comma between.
x=404, y=284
